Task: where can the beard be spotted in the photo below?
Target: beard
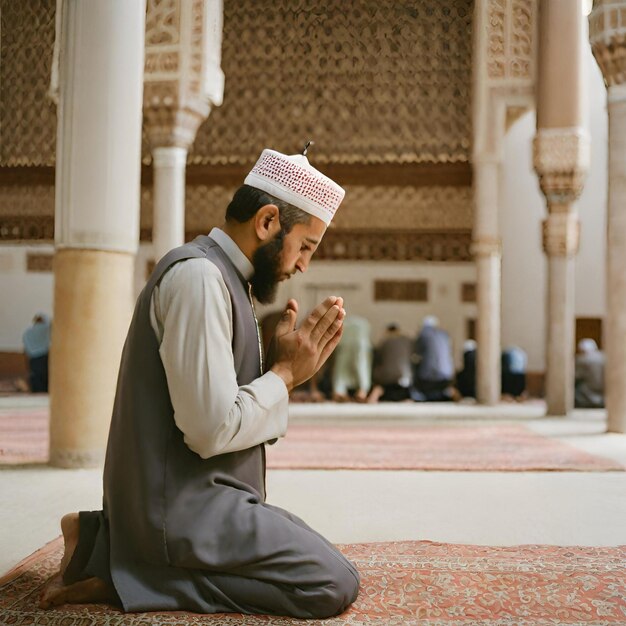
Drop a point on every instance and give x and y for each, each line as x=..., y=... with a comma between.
x=266, y=262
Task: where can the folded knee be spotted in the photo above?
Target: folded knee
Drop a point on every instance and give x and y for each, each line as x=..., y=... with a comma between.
x=337, y=594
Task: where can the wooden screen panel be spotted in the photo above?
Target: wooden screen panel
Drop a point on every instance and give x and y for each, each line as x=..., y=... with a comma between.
x=589, y=328
x=470, y=328
x=468, y=292
x=401, y=290
x=39, y=262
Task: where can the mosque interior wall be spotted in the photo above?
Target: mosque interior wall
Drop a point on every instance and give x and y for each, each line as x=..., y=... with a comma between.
x=384, y=89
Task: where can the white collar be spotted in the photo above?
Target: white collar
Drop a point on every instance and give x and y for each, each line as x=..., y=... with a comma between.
x=233, y=252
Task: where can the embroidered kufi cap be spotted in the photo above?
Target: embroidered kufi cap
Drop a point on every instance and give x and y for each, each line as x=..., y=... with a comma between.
x=294, y=180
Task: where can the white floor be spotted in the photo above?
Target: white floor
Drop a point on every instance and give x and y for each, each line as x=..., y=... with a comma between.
x=494, y=508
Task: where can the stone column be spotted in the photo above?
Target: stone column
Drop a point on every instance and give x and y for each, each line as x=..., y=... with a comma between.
x=100, y=66
x=607, y=32
x=182, y=80
x=168, y=222
x=487, y=250
x=561, y=159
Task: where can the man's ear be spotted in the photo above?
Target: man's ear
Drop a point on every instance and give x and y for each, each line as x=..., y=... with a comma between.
x=266, y=222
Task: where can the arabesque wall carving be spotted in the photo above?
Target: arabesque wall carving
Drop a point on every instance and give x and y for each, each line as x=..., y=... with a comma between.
x=374, y=81
x=27, y=115
x=370, y=81
x=607, y=34
x=510, y=45
x=383, y=207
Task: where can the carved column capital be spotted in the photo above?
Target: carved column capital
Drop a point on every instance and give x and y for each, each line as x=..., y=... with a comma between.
x=486, y=246
x=182, y=76
x=607, y=35
x=561, y=159
x=561, y=234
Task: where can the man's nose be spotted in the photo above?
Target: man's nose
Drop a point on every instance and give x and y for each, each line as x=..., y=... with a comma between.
x=301, y=265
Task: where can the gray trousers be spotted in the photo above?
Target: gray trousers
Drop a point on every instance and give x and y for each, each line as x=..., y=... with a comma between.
x=304, y=577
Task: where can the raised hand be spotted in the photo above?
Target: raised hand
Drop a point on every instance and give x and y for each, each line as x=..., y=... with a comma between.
x=298, y=354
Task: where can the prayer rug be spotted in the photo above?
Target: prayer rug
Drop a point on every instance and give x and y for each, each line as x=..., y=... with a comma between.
x=439, y=448
x=402, y=583
x=24, y=436
x=24, y=440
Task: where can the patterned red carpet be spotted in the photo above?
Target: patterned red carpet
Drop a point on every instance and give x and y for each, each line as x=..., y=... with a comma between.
x=24, y=439
x=473, y=448
x=23, y=436
x=402, y=583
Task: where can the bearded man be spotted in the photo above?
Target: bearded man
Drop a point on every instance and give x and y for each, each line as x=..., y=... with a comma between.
x=184, y=524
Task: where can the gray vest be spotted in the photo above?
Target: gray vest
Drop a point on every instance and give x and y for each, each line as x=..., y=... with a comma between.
x=161, y=500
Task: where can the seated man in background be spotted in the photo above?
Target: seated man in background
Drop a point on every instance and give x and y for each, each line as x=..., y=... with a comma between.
x=433, y=370
x=392, y=367
x=466, y=378
x=36, y=339
x=513, y=364
x=589, y=383
x=184, y=524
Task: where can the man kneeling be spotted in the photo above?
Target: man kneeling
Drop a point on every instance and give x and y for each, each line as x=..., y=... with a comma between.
x=184, y=524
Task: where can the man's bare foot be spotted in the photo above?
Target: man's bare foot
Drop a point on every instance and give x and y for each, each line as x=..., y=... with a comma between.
x=89, y=591
x=70, y=529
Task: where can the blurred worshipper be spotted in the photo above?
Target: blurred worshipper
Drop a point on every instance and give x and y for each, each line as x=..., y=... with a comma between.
x=185, y=525
x=433, y=369
x=36, y=339
x=466, y=378
x=589, y=375
x=352, y=369
x=392, y=367
x=513, y=362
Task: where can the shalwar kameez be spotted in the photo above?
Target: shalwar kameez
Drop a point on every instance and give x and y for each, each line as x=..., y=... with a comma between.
x=184, y=524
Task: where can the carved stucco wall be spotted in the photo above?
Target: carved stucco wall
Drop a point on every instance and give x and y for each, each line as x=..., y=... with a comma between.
x=27, y=115
x=372, y=82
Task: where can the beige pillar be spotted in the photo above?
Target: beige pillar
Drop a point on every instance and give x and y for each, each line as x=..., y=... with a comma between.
x=561, y=159
x=100, y=67
x=183, y=80
x=487, y=250
x=607, y=32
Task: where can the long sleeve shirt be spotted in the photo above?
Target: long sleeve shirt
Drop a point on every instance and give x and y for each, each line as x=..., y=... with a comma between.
x=191, y=315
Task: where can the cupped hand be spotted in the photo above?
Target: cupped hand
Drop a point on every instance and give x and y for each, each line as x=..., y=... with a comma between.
x=299, y=353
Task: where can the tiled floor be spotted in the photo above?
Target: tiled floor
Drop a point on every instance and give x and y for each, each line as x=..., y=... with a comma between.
x=497, y=508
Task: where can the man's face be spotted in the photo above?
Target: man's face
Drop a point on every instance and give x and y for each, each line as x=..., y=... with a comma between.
x=283, y=256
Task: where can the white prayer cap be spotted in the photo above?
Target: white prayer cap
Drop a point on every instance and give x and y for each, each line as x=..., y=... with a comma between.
x=294, y=180
x=587, y=345
x=469, y=345
x=430, y=321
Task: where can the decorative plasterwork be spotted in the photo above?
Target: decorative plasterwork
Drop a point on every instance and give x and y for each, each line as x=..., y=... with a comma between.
x=505, y=43
x=182, y=76
x=370, y=82
x=27, y=115
x=39, y=262
x=449, y=246
x=510, y=51
x=607, y=34
x=561, y=234
x=561, y=157
x=26, y=228
x=486, y=246
x=401, y=291
x=377, y=207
